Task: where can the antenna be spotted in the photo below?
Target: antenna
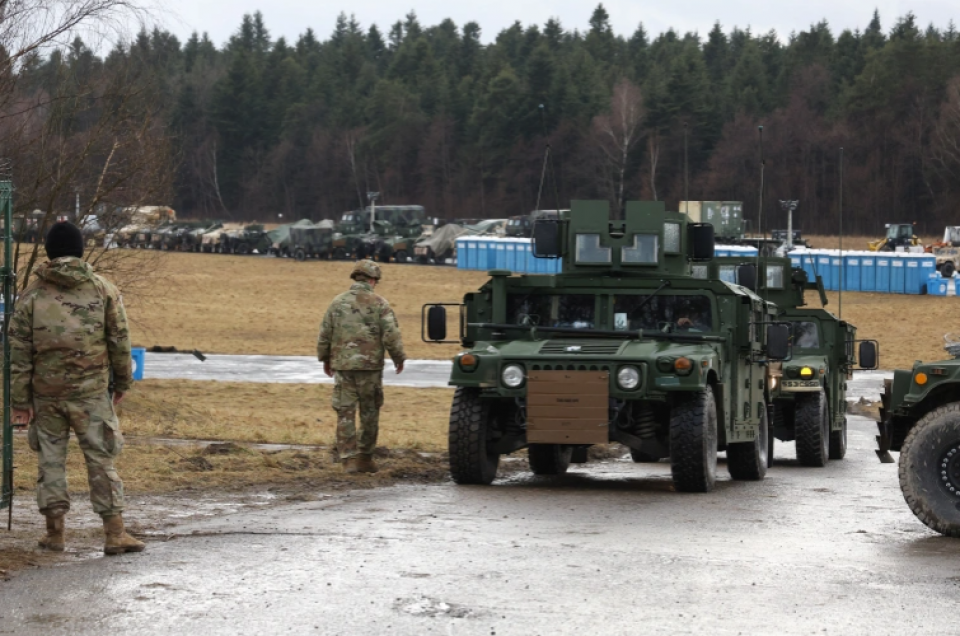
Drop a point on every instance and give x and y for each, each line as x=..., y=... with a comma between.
x=686, y=172
x=543, y=175
x=843, y=268
x=760, y=210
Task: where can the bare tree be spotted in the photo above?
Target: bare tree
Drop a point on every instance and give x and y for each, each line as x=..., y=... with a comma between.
x=615, y=134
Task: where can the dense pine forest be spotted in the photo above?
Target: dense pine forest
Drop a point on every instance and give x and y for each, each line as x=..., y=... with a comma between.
x=262, y=127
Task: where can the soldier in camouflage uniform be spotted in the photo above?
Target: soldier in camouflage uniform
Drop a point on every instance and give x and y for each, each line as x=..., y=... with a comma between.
x=69, y=332
x=356, y=329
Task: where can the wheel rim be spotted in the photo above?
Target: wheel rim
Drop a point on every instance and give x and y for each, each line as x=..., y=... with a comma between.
x=949, y=468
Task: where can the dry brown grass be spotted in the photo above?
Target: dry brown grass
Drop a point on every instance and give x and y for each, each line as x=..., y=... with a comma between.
x=235, y=304
x=277, y=413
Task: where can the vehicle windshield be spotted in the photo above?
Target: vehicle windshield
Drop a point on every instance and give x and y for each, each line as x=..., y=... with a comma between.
x=805, y=335
x=552, y=310
x=691, y=313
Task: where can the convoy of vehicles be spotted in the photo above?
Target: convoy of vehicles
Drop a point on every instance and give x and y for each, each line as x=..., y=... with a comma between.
x=625, y=345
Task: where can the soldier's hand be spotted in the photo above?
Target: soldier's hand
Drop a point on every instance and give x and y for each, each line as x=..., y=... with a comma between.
x=399, y=367
x=327, y=369
x=21, y=417
x=117, y=397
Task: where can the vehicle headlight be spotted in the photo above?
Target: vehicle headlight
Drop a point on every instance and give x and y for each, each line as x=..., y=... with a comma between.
x=628, y=378
x=806, y=373
x=773, y=383
x=512, y=375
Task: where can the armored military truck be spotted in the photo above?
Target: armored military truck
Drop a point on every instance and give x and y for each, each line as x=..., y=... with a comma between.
x=311, y=241
x=624, y=345
x=920, y=418
x=807, y=392
x=359, y=233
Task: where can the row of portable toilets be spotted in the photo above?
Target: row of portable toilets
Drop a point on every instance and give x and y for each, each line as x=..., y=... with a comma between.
x=884, y=272
x=516, y=254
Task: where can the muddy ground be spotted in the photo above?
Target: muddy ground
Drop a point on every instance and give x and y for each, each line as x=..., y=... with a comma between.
x=606, y=549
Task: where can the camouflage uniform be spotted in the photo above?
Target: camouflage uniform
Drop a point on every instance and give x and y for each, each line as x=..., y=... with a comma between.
x=356, y=329
x=68, y=333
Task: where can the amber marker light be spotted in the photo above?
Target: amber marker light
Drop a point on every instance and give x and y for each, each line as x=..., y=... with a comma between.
x=806, y=373
x=920, y=378
x=468, y=362
x=683, y=365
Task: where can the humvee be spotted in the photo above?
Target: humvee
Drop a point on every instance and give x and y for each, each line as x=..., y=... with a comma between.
x=624, y=345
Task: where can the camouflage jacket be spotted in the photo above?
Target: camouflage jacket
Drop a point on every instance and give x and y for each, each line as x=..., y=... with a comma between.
x=68, y=332
x=356, y=329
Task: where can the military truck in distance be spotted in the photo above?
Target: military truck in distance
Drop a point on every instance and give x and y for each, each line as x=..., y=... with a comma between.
x=245, y=240
x=356, y=236
x=522, y=226
x=808, y=392
x=311, y=241
x=920, y=418
x=624, y=345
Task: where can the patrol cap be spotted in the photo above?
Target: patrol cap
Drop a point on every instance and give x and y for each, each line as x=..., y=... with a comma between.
x=367, y=268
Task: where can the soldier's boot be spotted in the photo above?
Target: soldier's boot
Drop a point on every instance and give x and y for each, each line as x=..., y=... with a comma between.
x=53, y=540
x=350, y=465
x=365, y=464
x=117, y=539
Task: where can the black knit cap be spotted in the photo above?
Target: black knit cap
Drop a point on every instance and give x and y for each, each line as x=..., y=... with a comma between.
x=64, y=239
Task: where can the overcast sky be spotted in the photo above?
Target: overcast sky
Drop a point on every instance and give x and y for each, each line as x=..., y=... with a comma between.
x=289, y=18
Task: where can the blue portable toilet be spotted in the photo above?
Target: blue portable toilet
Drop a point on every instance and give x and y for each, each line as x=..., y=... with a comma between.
x=868, y=272
x=913, y=284
x=462, y=253
x=897, y=274
x=529, y=262
x=928, y=265
x=500, y=257
x=470, y=256
x=139, y=356
x=937, y=286
x=510, y=260
x=482, y=254
x=796, y=261
x=823, y=269
x=836, y=270
x=883, y=273
x=851, y=272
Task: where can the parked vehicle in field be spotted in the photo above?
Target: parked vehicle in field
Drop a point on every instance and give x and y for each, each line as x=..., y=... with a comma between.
x=311, y=241
x=210, y=241
x=898, y=235
x=947, y=251
x=625, y=345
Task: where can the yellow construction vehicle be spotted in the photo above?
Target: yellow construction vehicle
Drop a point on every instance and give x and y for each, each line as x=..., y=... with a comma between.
x=898, y=235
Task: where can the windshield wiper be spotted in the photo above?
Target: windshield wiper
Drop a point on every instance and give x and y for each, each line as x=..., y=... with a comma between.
x=647, y=300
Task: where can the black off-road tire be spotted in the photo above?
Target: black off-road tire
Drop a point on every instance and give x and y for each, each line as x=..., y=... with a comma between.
x=641, y=457
x=470, y=425
x=693, y=442
x=401, y=256
x=385, y=253
x=549, y=459
x=748, y=462
x=300, y=255
x=812, y=427
x=838, y=442
x=930, y=466
x=339, y=254
x=243, y=248
x=947, y=269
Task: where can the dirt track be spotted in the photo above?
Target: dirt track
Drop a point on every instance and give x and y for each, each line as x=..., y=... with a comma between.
x=607, y=549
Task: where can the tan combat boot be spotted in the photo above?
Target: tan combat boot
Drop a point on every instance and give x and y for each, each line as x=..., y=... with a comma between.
x=365, y=464
x=53, y=540
x=117, y=539
x=350, y=465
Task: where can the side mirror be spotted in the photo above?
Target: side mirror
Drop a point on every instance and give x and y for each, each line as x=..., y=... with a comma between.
x=799, y=277
x=701, y=241
x=747, y=276
x=868, y=354
x=437, y=323
x=778, y=342
x=546, y=239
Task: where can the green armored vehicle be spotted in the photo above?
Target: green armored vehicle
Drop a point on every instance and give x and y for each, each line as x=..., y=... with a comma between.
x=245, y=241
x=809, y=391
x=920, y=417
x=625, y=345
x=360, y=234
x=311, y=241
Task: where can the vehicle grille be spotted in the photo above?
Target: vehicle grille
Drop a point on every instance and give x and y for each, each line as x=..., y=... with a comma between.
x=587, y=347
x=571, y=367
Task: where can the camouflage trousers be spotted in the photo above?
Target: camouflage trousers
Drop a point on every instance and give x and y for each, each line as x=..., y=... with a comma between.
x=97, y=429
x=353, y=390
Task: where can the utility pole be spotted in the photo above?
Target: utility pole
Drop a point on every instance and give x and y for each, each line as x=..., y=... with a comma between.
x=373, y=207
x=8, y=276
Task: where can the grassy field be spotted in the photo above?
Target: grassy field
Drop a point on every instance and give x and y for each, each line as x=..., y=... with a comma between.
x=233, y=304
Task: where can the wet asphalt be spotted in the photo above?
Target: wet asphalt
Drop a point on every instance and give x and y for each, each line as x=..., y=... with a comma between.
x=607, y=549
